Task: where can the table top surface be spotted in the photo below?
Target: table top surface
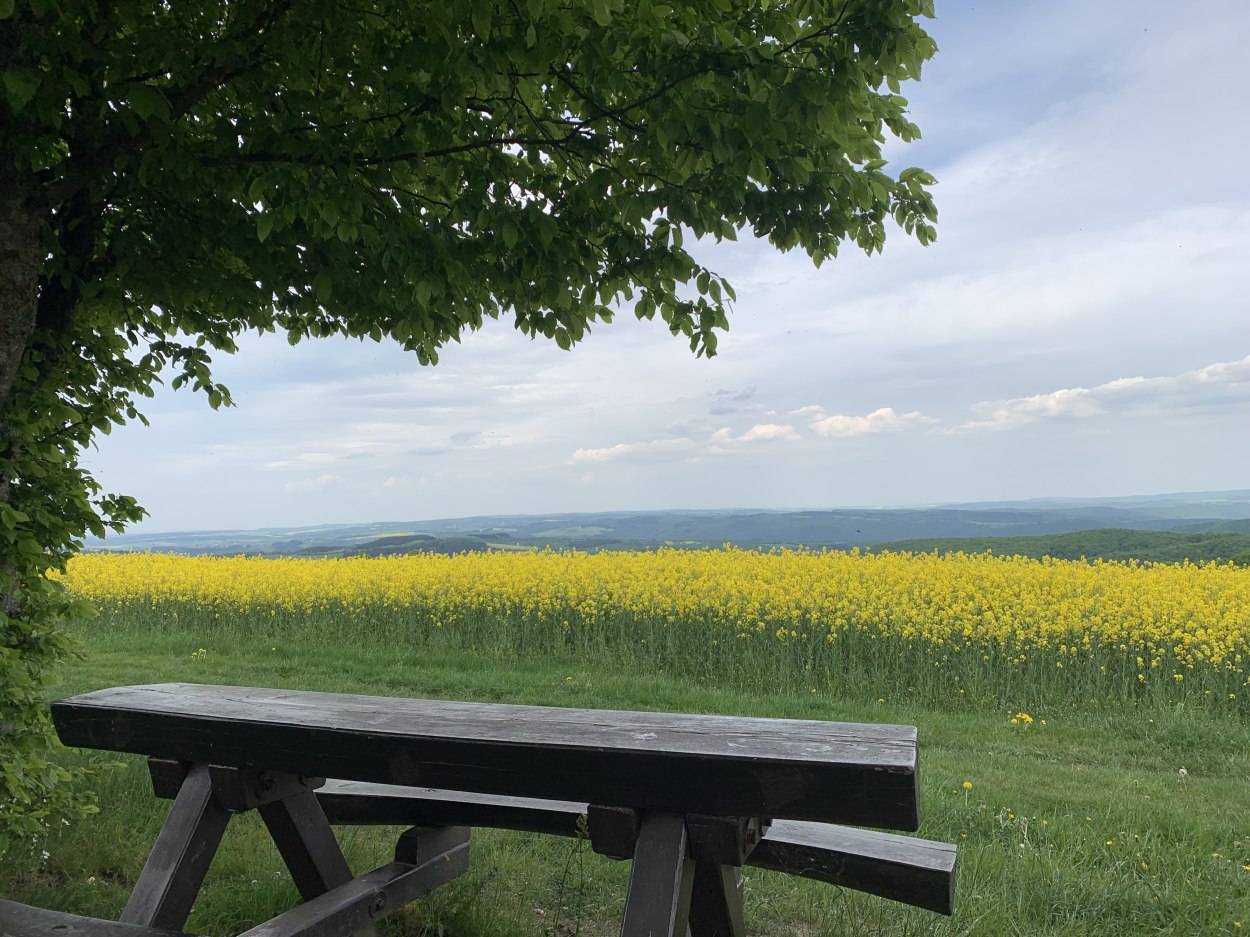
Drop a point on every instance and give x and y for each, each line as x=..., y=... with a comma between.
x=803, y=769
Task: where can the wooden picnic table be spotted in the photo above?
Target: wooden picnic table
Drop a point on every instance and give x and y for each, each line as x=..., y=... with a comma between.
x=689, y=798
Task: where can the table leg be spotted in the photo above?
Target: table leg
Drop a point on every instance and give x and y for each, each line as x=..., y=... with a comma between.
x=660, y=882
x=309, y=848
x=172, y=876
x=716, y=901
x=303, y=836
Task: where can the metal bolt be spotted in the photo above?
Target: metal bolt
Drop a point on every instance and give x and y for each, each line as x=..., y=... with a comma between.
x=378, y=905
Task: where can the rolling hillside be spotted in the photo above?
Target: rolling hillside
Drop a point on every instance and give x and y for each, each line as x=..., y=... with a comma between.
x=1187, y=515
x=1107, y=544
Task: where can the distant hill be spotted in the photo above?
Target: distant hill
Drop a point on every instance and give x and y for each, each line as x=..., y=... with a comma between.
x=840, y=528
x=1108, y=544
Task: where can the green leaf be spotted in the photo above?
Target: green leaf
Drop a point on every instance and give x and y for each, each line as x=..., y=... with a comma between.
x=510, y=234
x=148, y=102
x=482, y=19
x=264, y=224
x=323, y=285
x=601, y=11
x=19, y=88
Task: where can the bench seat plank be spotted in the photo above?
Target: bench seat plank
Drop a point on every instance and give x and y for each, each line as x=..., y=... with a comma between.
x=20, y=920
x=359, y=803
x=782, y=768
x=914, y=871
x=918, y=872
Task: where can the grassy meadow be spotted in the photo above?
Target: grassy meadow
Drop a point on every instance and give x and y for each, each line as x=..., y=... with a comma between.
x=1083, y=727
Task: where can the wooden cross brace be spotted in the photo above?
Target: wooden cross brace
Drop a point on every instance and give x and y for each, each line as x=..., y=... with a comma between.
x=335, y=903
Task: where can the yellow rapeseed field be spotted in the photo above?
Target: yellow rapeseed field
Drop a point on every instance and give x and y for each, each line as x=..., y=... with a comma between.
x=956, y=623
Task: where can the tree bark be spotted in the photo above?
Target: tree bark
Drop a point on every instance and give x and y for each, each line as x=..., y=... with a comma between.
x=19, y=303
x=19, y=286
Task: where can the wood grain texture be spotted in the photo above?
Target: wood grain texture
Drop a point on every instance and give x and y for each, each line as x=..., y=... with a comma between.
x=303, y=836
x=178, y=862
x=368, y=898
x=918, y=872
x=359, y=803
x=716, y=901
x=661, y=879
x=20, y=920
x=799, y=769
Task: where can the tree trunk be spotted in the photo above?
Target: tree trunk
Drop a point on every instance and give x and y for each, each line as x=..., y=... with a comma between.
x=19, y=301
x=19, y=279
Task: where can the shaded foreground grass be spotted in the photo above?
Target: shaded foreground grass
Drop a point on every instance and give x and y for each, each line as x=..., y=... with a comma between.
x=1084, y=825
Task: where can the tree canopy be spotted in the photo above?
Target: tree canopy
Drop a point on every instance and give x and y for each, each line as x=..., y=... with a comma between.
x=174, y=175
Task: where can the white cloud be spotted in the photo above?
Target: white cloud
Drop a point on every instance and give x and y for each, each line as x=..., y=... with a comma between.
x=1071, y=402
x=1216, y=386
x=1224, y=372
x=656, y=448
x=881, y=420
x=760, y=432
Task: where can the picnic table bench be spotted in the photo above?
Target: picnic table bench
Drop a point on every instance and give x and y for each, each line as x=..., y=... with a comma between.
x=689, y=798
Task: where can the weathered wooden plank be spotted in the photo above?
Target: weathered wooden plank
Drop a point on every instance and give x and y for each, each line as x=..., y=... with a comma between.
x=175, y=869
x=613, y=830
x=716, y=901
x=914, y=871
x=236, y=789
x=724, y=840
x=303, y=836
x=20, y=920
x=661, y=879
x=730, y=766
x=361, y=803
x=286, y=804
x=290, y=811
x=370, y=897
x=903, y=868
x=715, y=840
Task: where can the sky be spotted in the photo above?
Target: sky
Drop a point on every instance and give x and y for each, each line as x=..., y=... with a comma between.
x=1080, y=328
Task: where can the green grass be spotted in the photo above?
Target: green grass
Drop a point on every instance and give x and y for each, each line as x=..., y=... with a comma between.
x=977, y=674
x=1083, y=826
